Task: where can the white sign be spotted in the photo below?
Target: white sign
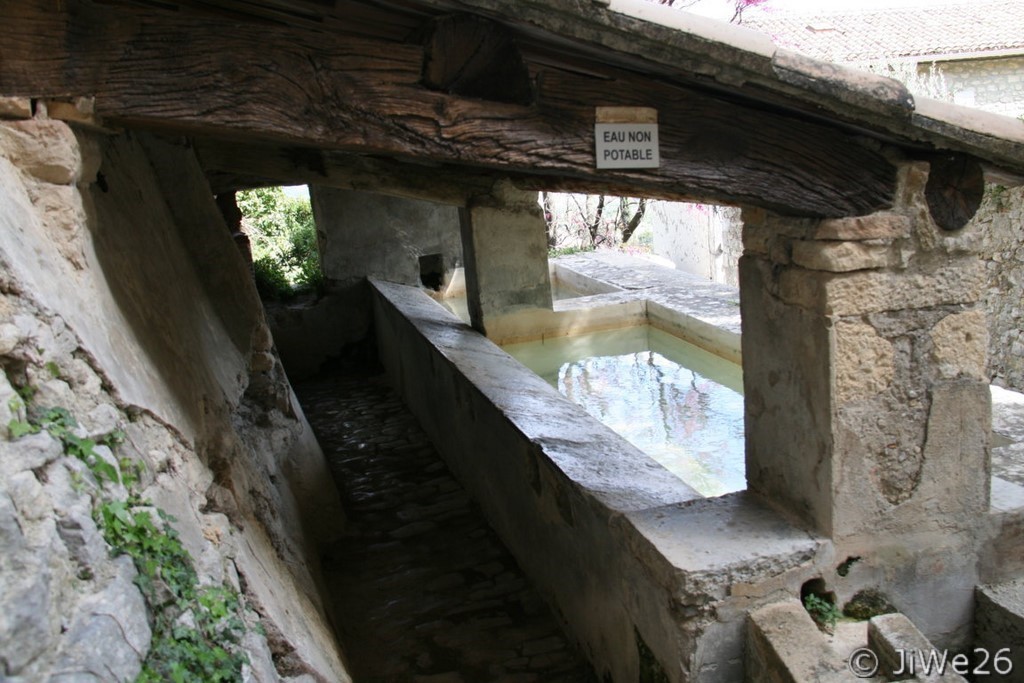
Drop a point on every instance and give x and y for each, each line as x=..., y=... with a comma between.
x=627, y=145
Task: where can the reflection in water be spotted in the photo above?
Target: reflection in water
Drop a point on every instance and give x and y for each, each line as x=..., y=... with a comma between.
x=678, y=403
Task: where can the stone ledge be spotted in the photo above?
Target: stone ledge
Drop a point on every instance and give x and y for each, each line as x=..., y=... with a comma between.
x=999, y=623
x=892, y=637
x=784, y=646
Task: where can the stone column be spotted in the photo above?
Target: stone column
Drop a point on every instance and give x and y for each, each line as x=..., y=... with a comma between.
x=867, y=404
x=505, y=249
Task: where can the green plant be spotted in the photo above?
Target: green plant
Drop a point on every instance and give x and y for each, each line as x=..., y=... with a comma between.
x=194, y=627
x=824, y=612
x=282, y=235
x=183, y=649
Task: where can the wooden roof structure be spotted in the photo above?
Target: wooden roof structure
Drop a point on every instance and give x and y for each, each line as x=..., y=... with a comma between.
x=435, y=98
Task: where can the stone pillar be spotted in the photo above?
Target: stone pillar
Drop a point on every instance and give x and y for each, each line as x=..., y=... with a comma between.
x=505, y=248
x=867, y=404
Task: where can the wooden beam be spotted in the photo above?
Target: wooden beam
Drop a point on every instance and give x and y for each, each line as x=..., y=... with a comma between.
x=274, y=84
x=471, y=56
x=232, y=166
x=956, y=186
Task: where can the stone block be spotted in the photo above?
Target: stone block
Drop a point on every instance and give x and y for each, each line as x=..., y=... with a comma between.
x=109, y=634
x=864, y=361
x=784, y=646
x=15, y=108
x=47, y=150
x=999, y=624
x=960, y=345
x=958, y=282
x=894, y=638
x=879, y=226
x=842, y=257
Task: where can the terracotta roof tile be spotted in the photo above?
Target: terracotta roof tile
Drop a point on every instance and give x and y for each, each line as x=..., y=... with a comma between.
x=869, y=35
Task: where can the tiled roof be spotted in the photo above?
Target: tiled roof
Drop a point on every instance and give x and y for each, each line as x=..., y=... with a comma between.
x=867, y=35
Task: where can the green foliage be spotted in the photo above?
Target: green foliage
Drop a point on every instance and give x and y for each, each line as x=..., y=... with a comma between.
x=824, y=613
x=282, y=235
x=192, y=625
x=53, y=369
x=195, y=628
x=61, y=425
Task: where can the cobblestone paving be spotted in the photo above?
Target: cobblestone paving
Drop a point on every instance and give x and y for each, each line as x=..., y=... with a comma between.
x=423, y=589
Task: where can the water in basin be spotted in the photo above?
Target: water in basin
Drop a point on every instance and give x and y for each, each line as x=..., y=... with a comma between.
x=680, y=404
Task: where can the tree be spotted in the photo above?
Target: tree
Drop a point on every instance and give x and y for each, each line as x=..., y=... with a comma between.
x=589, y=221
x=282, y=235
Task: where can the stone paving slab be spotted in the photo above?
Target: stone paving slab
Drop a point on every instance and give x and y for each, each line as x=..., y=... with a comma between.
x=423, y=590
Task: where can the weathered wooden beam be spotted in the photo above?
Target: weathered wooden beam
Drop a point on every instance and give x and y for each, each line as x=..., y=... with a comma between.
x=264, y=83
x=471, y=56
x=231, y=166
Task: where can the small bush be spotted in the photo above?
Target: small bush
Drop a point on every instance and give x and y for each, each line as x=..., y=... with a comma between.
x=283, y=239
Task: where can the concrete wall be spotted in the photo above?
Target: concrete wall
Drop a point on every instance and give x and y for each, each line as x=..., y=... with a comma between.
x=363, y=234
x=701, y=239
x=125, y=301
x=360, y=234
x=618, y=546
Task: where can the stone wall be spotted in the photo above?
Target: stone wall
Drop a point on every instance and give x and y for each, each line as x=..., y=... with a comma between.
x=1000, y=221
x=867, y=406
x=995, y=85
x=652, y=581
x=361, y=234
x=124, y=302
x=702, y=239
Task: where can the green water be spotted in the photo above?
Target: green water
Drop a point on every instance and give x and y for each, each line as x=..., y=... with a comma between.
x=678, y=403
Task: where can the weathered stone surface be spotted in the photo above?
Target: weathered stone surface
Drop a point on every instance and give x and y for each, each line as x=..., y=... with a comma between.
x=45, y=149
x=999, y=624
x=842, y=257
x=29, y=452
x=1000, y=221
x=82, y=538
x=101, y=335
x=879, y=226
x=15, y=108
x=864, y=361
x=109, y=634
x=870, y=292
x=960, y=345
x=504, y=244
x=25, y=620
x=893, y=637
x=784, y=646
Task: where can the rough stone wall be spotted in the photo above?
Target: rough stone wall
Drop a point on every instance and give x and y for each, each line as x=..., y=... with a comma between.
x=868, y=412
x=1000, y=221
x=123, y=301
x=995, y=85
